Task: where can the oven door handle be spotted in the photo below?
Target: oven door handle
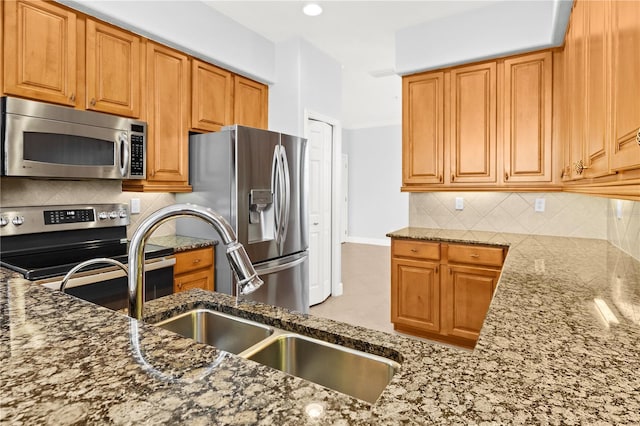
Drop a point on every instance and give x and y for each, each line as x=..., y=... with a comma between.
x=105, y=274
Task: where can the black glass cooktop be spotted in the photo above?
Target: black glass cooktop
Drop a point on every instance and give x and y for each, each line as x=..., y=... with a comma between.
x=48, y=263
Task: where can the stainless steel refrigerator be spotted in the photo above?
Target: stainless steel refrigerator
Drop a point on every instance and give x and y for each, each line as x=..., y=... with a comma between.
x=257, y=179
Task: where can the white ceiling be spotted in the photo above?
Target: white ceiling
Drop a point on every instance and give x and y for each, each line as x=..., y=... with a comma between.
x=358, y=34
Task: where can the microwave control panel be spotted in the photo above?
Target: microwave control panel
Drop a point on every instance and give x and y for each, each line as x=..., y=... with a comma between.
x=137, y=167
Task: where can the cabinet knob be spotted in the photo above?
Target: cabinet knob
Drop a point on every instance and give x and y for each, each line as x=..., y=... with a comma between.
x=506, y=176
x=440, y=176
x=475, y=255
x=638, y=136
x=196, y=261
x=72, y=98
x=93, y=102
x=452, y=177
x=579, y=167
x=414, y=250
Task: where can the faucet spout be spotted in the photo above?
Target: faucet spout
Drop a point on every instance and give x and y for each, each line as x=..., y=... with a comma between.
x=248, y=280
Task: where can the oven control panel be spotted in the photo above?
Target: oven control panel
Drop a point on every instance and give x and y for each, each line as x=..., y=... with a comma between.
x=30, y=220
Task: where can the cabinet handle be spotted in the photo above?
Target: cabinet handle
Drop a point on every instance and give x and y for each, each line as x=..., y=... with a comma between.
x=506, y=176
x=475, y=256
x=452, y=177
x=72, y=98
x=414, y=250
x=440, y=176
x=638, y=136
x=93, y=102
x=436, y=269
x=195, y=261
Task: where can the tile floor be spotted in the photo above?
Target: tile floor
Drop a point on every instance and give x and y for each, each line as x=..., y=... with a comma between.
x=366, y=280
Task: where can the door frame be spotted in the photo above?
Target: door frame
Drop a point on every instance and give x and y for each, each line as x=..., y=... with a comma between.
x=336, y=182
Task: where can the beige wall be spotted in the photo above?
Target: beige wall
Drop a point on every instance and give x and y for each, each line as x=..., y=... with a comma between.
x=570, y=215
x=36, y=192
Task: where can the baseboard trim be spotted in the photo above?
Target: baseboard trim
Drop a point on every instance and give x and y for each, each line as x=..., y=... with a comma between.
x=371, y=241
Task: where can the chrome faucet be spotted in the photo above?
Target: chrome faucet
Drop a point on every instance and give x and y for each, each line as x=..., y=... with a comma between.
x=248, y=280
x=65, y=280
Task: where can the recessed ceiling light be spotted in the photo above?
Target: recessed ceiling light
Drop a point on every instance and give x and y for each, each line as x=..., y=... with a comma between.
x=312, y=9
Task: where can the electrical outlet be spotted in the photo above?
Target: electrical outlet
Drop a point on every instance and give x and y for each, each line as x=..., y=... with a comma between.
x=459, y=203
x=539, y=205
x=135, y=206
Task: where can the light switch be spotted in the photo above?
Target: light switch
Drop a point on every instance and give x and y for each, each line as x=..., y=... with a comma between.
x=135, y=206
x=459, y=203
x=539, y=206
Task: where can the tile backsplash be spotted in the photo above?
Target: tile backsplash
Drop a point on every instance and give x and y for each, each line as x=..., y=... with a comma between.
x=624, y=231
x=566, y=214
x=37, y=192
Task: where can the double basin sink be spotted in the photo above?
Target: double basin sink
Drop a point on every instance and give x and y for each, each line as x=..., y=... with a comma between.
x=355, y=373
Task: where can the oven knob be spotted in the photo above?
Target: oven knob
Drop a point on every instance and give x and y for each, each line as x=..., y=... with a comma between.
x=123, y=214
x=113, y=215
x=18, y=220
x=3, y=221
x=102, y=215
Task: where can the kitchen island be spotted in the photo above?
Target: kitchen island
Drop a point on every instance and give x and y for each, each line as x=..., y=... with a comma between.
x=545, y=355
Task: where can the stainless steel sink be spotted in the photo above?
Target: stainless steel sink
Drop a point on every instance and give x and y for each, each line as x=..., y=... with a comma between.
x=352, y=372
x=225, y=332
x=359, y=374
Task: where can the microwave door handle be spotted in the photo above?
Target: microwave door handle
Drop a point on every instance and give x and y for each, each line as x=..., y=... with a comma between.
x=124, y=154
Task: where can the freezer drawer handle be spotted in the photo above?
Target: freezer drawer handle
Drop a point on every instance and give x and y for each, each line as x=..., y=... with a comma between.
x=278, y=268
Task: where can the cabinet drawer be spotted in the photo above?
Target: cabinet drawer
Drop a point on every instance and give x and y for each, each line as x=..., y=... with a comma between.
x=417, y=249
x=476, y=255
x=193, y=259
x=201, y=279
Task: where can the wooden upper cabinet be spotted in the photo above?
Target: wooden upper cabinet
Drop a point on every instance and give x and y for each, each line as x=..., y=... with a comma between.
x=40, y=51
x=211, y=102
x=250, y=103
x=577, y=89
x=113, y=72
x=596, y=138
x=625, y=85
x=167, y=98
x=473, y=124
x=423, y=129
x=527, y=118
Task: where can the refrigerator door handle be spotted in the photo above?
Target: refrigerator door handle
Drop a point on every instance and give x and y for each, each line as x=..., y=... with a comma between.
x=287, y=193
x=276, y=189
x=277, y=268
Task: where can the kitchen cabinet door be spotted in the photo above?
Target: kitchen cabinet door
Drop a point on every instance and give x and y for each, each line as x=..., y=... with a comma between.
x=423, y=129
x=596, y=138
x=211, y=101
x=167, y=95
x=194, y=269
x=527, y=118
x=415, y=295
x=467, y=294
x=113, y=71
x=473, y=124
x=625, y=85
x=40, y=51
x=250, y=103
x=576, y=82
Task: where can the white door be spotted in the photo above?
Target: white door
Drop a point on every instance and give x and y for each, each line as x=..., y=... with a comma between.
x=320, y=143
x=344, y=209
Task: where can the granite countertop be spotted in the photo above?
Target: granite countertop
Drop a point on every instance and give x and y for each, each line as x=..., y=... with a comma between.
x=180, y=243
x=544, y=356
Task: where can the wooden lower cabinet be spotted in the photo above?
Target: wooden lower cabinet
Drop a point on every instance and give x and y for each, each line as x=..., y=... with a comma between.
x=416, y=295
x=194, y=269
x=467, y=293
x=442, y=291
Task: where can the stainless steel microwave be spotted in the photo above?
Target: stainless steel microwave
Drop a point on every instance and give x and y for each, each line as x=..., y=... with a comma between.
x=51, y=141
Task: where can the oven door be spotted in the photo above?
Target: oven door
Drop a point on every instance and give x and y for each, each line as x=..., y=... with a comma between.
x=108, y=287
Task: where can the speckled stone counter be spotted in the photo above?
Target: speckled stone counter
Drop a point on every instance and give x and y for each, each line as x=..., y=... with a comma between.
x=181, y=243
x=545, y=355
